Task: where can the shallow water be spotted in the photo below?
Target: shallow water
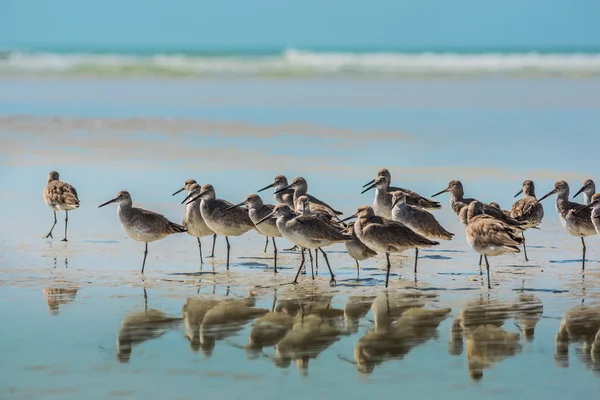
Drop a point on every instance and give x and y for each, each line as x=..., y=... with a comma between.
x=148, y=136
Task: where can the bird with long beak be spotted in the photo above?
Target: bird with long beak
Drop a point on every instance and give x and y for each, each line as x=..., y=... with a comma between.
x=357, y=249
x=417, y=219
x=300, y=187
x=489, y=236
x=307, y=232
x=257, y=210
x=588, y=188
x=412, y=198
x=595, y=214
x=142, y=225
x=193, y=221
x=282, y=195
x=574, y=217
x=458, y=202
x=224, y=222
x=527, y=210
x=186, y=186
x=386, y=236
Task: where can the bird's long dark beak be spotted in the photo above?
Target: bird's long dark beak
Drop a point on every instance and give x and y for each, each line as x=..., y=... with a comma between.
x=179, y=191
x=191, y=195
x=348, y=218
x=267, y=187
x=368, y=188
x=265, y=218
x=370, y=183
x=584, y=208
x=520, y=191
x=443, y=191
x=236, y=205
x=282, y=189
x=579, y=191
x=550, y=193
x=107, y=203
x=395, y=202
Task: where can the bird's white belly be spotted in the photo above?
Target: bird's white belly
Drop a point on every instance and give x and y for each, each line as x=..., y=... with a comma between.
x=303, y=241
x=488, y=250
x=355, y=250
x=381, y=210
x=268, y=230
x=140, y=234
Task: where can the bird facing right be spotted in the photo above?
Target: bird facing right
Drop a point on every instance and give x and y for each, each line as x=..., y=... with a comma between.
x=527, y=210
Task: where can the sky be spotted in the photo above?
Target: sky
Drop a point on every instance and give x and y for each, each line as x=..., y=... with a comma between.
x=396, y=24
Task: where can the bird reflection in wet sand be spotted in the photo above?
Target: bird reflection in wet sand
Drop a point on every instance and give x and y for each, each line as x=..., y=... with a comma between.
x=55, y=297
x=480, y=322
x=355, y=309
x=528, y=312
x=140, y=327
x=580, y=325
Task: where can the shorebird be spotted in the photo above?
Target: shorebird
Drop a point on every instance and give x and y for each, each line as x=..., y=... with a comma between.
x=142, y=225
x=193, y=221
x=527, y=210
x=300, y=187
x=458, y=201
x=574, y=217
x=386, y=236
x=494, y=204
x=595, y=215
x=417, y=219
x=257, y=210
x=306, y=232
x=412, y=198
x=60, y=196
x=489, y=236
x=357, y=249
x=588, y=188
x=282, y=195
x=186, y=186
x=218, y=218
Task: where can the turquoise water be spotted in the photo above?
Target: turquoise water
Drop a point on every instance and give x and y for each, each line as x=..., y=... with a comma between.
x=147, y=136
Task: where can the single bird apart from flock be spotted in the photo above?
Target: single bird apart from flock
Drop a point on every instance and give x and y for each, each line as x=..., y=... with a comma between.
x=488, y=236
x=60, y=196
x=386, y=236
x=142, y=225
x=417, y=219
x=528, y=210
x=588, y=188
x=257, y=210
x=193, y=221
x=224, y=222
x=574, y=217
x=306, y=232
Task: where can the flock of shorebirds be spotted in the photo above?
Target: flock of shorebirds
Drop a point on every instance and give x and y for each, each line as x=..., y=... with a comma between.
x=397, y=221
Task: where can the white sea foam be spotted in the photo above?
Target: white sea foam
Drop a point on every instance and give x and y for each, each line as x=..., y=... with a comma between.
x=303, y=63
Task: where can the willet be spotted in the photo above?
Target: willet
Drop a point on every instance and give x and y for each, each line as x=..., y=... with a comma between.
x=306, y=232
x=527, y=210
x=186, y=186
x=489, y=236
x=412, y=198
x=588, y=188
x=458, y=201
x=386, y=236
x=574, y=217
x=234, y=222
x=257, y=210
x=300, y=187
x=282, y=195
x=60, y=196
x=142, y=225
x=304, y=206
x=496, y=205
x=357, y=249
x=193, y=221
x=417, y=219
x=595, y=215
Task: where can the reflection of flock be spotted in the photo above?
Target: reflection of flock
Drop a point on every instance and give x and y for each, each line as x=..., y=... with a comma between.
x=303, y=323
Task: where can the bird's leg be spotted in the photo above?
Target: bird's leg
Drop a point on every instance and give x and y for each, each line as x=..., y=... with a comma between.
x=266, y=244
x=524, y=246
x=212, y=255
x=145, y=300
x=487, y=266
x=145, y=254
x=291, y=248
x=295, y=282
x=274, y=300
x=66, y=223
x=311, y=262
x=332, y=280
x=480, y=260
x=583, y=248
x=274, y=254
x=49, y=235
x=416, y=258
x=200, y=248
x=317, y=261
x=228, y=248
x=389, y=266
x=357, y=270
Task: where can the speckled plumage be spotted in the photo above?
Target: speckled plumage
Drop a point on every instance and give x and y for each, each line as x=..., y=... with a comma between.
x=528, y=210
x=60, y=196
